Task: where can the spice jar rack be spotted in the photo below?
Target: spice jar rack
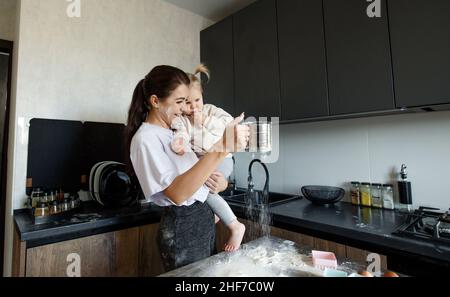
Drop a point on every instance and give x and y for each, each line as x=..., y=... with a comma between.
x=52, y=206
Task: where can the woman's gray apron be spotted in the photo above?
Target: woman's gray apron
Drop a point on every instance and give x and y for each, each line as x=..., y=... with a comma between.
x=186, y=234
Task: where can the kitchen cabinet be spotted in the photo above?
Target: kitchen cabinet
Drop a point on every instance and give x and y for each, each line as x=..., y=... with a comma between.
x=358, y=58
x=420, y=51
x=216, y=51
x=150, y=263
x=256, y=77
x=126, y=253
x=303, y=77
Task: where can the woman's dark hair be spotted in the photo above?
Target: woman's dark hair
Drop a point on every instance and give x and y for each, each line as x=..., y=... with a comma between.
x=161, y=82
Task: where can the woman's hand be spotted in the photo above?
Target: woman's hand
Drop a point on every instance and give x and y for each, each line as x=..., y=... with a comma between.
x=235, y=138
x=216, y=183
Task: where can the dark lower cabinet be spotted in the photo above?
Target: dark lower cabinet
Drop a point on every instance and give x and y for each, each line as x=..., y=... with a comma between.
x=257, y=82
x=358, y=58
x=420, y=34
x=125, y=253
x=303, y=75
x=216, y=50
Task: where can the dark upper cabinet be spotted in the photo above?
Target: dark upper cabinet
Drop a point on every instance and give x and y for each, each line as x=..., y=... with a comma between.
x=420, y=36
x=358, y=58
x=303, y=75
x=216, y=50
x=257, y=83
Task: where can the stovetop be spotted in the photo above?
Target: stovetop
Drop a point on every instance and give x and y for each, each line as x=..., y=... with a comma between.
x=427, y=224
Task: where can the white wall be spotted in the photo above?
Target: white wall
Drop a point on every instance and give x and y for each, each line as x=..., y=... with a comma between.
x=86, y=68
x=367, y=149
x=7, y=19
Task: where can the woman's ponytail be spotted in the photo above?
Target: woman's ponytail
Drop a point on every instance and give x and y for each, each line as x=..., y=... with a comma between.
x=137, y=114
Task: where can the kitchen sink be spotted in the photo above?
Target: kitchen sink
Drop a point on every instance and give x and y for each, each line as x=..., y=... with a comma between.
x=239, y=197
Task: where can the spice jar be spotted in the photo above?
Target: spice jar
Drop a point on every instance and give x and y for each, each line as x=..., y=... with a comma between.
x=51, y=197
x=388, y=196
x=60, y=195
x=355, y=193
x=73, y=203
x=35, y=197
x=54, y=208
x=41, y=210
x=44, y=198
x=376, y=196
x=65, y=206
x=366, y=197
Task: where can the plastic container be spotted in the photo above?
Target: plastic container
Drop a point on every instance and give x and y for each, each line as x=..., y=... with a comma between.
x=323, y=260
x=334, y=273
x=366, y=196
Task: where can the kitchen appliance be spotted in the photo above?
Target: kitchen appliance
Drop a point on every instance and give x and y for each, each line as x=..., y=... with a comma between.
x=426, y=224
x=260, y=137
x=323, y=194
x=111, y=186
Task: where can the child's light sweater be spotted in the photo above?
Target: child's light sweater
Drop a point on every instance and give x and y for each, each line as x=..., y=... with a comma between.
x=203, y=138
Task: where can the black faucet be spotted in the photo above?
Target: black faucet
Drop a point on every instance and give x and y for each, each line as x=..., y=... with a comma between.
x=251, y=185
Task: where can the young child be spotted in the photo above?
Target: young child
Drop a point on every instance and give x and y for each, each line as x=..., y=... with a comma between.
x=201, y=126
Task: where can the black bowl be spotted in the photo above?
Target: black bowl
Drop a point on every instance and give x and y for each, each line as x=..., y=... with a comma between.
x=323, y=194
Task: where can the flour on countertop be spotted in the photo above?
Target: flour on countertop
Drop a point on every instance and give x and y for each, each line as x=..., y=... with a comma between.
x=265, y=261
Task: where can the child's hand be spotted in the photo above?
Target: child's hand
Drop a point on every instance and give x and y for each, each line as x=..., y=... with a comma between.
x=216, y=183
x=178, y=146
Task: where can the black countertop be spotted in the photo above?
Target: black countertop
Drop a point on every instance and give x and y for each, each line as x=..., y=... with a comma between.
x=368, y=228
x=361, y=227
x=89, y=220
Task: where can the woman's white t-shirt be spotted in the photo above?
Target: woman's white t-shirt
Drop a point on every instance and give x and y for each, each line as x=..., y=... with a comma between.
x=156, y=165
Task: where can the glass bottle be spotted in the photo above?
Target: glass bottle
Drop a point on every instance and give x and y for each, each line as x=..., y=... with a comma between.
x=366, y=196
x=73, y=202
x=376, y=196
x=41, y=210
x=355, y=193
x=44, y=197
x=65, y=206
x=388, y=196
x=60, y=195
x=54, y=208
x=35, y=197
x=51, y=197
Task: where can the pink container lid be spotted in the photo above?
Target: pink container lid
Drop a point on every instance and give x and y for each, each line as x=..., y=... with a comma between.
x=323, y=260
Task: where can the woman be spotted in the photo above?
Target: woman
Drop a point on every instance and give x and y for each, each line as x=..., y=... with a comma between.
x=186, y=233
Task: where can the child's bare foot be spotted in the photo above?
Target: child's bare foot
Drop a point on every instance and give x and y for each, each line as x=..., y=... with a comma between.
x=237, y=233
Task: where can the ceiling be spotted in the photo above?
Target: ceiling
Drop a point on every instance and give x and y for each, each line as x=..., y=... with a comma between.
x=214, y=10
